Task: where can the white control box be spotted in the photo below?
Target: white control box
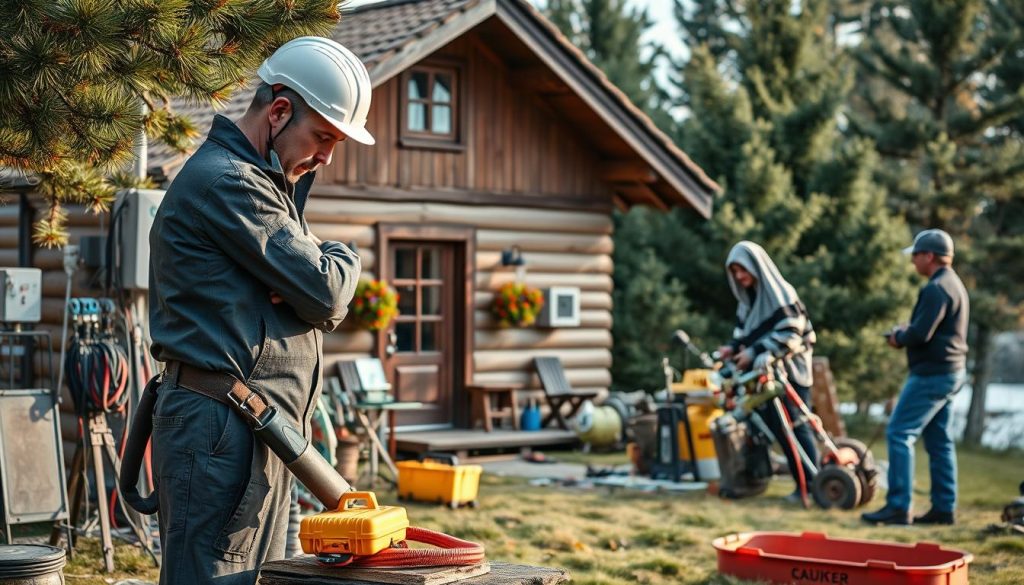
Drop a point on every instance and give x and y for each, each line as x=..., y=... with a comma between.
x=135, y=210
x=561, y=307
x=22, y=298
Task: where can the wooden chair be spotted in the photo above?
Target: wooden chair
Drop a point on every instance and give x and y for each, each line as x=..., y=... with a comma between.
x=559, y=391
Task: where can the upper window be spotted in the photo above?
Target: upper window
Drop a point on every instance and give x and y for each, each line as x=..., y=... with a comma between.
x=430, y=106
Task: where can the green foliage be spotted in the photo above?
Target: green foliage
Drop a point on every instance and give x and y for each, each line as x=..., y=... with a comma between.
x=648, y=304
x=765, y=88
x=942, y=97
x=75, y=75
x=609, y=34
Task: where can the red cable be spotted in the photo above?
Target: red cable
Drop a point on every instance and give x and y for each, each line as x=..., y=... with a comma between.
x=451, y=552
x=796, y=457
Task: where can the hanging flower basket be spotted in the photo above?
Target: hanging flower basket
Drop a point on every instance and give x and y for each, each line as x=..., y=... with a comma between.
x=516, y=305
x=375, y=304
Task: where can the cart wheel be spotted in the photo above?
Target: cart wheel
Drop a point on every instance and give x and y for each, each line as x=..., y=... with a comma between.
x=867, y=473
x=868, y=483
x=474, y=504
x=453, y=505
x=836, y=487
x=867, y=459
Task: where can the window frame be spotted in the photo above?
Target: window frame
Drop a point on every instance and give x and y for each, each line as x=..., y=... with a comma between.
x=427, y=139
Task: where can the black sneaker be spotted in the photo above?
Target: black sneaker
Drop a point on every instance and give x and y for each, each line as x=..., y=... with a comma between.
x=934, y=516
x=887, y=515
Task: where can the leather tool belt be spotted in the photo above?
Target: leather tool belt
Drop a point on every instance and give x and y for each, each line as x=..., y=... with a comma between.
x=219, y=386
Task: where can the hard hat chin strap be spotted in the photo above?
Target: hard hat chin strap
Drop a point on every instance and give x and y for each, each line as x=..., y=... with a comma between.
x=272, y=158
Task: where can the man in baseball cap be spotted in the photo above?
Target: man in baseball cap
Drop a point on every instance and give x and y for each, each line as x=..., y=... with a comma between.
x=936, y=344
x=935, y=241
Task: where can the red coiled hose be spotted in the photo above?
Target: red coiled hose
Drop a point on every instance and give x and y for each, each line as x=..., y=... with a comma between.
x=451, y=551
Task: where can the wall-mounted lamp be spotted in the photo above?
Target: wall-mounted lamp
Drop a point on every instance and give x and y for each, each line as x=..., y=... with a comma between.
x=514, y=257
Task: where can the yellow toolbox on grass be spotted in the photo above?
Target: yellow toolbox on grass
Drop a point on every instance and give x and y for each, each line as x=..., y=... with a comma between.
x=353, y=529
x=439, y=478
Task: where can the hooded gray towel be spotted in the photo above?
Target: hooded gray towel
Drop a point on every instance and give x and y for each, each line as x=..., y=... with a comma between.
x=771, y=318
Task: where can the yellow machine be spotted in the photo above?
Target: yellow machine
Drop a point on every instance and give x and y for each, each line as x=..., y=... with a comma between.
x=352, y=529
x=697, y=392
x=439, y=478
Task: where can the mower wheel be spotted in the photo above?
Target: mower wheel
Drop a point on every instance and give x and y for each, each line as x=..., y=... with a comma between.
x=836, y=486
x=866, y=471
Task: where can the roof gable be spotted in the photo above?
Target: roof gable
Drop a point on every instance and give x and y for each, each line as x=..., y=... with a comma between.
x=390, y=37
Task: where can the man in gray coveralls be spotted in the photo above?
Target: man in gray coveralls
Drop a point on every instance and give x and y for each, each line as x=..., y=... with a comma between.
x=239, y=286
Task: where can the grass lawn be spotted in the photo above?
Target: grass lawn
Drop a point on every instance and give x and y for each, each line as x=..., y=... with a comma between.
x=627, y=537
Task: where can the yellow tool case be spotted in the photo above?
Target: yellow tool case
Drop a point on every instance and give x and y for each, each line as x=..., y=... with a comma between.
x=438, y=477
x=358, y=530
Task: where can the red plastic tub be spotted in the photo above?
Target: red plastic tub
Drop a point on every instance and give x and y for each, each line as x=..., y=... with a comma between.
x=812, y=557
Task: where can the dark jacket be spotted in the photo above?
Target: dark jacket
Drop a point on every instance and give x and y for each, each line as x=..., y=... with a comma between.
x=936, y=339
x=229, y=231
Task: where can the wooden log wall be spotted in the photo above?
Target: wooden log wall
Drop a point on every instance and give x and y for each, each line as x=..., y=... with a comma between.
x=561, y=248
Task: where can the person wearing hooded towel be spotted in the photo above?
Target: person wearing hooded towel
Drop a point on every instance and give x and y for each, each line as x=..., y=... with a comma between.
x=770, y=319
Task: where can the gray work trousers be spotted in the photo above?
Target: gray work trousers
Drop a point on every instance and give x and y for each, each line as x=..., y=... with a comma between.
x=224, y=497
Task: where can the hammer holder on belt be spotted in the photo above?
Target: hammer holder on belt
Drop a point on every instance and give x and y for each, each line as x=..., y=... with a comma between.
x=268, y=425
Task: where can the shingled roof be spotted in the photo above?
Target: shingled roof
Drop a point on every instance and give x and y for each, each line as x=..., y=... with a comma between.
x=393, y=35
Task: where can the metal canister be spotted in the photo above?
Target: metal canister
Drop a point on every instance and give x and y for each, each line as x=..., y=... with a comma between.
x=31, y=564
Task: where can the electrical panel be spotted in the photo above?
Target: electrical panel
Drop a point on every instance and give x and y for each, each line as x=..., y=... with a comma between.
x=22, y=298
x=561, y=307
x=133, y=215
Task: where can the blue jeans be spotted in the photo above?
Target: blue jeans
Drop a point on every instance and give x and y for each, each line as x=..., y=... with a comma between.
x=923, y=410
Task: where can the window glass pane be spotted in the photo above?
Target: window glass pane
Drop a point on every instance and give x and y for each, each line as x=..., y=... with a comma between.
x=431, y=332
x=406, y=336
x=431, y=300
x=418, y=86
x=405, y=262
x=417, y=118
x=431, y=263
x=442, y=88
x=407, y=299
x=441, y=120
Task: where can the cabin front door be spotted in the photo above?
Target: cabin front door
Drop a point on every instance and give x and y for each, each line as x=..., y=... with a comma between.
x=424, y=351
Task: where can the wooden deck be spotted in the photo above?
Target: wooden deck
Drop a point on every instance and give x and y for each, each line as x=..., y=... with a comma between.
x=466, y=440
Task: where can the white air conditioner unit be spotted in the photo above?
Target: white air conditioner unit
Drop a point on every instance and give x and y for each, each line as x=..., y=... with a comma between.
x=561, y=307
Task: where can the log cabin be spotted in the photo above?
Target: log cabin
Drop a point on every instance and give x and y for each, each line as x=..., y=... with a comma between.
x=494, y=134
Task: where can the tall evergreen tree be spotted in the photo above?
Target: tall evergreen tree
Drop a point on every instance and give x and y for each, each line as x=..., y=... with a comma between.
x=75, y=75
x=948, y=128
x=764, y=89
x=610, y=35
x=648, y=303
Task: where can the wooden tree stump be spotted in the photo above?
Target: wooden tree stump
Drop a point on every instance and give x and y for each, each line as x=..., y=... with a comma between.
x=824, y=398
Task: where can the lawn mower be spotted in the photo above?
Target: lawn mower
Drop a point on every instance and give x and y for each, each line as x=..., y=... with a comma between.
x=845, y=477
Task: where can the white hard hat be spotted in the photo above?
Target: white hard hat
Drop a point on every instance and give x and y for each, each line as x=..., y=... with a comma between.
x=331, y=79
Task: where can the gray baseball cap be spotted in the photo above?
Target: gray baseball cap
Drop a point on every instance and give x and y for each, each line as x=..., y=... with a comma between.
x=935, y=241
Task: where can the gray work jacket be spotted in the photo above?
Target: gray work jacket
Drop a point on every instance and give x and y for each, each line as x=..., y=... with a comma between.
x=230, y=231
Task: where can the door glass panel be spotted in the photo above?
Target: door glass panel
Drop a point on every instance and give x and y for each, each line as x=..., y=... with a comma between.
x=431, y=300
x=431, y=333
x=431, y=264
x=407, y=299
x=405, y=332
x=405, y=263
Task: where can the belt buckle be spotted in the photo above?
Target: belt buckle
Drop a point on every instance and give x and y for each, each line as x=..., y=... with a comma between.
x=243, y=405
